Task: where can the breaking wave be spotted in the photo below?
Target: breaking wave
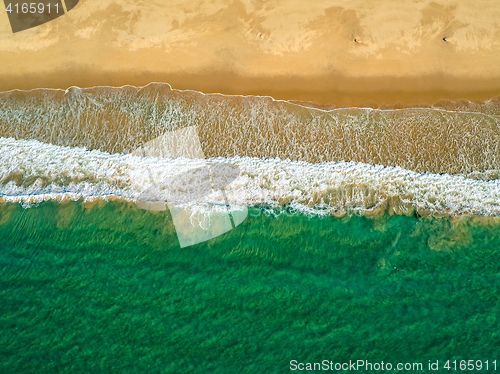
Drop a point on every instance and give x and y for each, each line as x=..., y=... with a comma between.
x=32, y=171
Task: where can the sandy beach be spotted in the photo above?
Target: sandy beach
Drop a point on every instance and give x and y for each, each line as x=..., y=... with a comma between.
x=344, y=53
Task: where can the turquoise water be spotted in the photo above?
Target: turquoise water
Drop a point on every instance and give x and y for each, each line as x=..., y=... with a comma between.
x=107, y=288
x=371, y=234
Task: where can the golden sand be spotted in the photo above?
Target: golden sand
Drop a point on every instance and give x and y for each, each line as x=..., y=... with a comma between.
x=355, y=52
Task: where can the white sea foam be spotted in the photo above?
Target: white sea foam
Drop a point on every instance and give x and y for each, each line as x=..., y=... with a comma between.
x=31, y=171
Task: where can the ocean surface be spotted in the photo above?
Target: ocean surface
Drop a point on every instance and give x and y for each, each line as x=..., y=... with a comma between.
x=321, y=234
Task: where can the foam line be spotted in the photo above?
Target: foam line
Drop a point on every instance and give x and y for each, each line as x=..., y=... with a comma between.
x=32, y=171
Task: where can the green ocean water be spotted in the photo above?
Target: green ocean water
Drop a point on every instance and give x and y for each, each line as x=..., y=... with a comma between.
x=107, y=289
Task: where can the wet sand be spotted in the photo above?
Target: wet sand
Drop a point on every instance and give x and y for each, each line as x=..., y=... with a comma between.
x=325, y=92
x=343, y=53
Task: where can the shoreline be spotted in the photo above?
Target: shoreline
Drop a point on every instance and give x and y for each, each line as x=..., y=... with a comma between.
x=322, y=92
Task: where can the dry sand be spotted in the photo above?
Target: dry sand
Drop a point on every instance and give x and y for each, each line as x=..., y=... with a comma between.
x=351, y=52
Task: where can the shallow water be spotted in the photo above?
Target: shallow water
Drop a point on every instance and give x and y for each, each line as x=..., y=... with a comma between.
x=452, y=137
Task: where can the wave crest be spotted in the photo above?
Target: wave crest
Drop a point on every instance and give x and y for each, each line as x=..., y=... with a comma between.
x=33, y=171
